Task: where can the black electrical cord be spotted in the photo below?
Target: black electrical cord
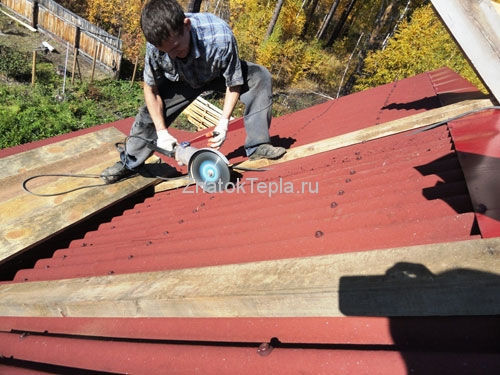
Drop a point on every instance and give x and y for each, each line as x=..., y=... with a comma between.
x=26, y=189
x=120, y=146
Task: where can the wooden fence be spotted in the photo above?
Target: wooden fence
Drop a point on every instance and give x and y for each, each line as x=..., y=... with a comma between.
x=89, y=40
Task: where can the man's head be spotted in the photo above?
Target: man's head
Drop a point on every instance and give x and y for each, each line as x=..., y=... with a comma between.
x=166, y=27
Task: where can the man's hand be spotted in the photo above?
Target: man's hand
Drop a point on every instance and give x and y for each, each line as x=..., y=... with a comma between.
x=165, y=140
x=220, y=132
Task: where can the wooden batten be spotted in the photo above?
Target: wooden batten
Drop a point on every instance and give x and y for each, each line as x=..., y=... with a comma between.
x=446, y=279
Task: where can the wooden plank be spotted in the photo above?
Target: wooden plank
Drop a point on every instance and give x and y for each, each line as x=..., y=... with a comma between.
x=413, y=122
x=28, y=219
x=475, y=27
x=448, y=279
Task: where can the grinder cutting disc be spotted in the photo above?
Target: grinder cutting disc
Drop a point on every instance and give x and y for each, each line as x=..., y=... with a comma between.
x=209, y=168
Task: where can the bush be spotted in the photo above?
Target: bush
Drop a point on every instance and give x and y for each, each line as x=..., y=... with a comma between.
x=14, y=64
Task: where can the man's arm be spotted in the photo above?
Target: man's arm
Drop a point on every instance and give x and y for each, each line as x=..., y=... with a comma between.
x=156, y=109
x=230, y=100
x=154, y=102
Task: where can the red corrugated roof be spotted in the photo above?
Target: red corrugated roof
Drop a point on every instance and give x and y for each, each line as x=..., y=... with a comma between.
x=402, y=190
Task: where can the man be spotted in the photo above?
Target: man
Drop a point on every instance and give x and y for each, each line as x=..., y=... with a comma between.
x=187, y=54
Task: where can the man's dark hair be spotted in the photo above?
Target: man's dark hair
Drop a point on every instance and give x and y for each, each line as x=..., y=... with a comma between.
x=160, y=19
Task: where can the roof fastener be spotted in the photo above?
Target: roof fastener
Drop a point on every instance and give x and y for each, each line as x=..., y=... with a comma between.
x=265, y=349
x=333, y=204
x=318, y=234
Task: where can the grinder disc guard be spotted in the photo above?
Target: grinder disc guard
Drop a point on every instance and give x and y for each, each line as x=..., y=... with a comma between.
x=209, y=169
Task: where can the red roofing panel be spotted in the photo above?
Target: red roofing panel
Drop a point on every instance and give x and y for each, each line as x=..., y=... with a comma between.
x=477, y=142
x=406, y=189
x=183, y=358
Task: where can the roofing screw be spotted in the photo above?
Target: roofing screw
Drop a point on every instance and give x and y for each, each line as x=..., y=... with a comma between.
x=318, y=234
x=165, y=233
x=111, y=272
x=265, y=349
x=341, y=192
x=180, y=221
x=347, y=180
x=333, y=204
x=64, y=256
x=130, y=256
x=352, y=171
x=149, y=243
x=47, y=266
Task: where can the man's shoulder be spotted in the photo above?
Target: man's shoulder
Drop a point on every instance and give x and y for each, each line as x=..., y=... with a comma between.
x=206, y=20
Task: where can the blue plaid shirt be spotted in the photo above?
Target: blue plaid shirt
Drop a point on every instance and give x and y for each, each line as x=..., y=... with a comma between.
x=213, y=54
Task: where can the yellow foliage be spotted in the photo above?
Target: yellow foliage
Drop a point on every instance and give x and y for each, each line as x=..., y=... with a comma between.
x=419, y=45
x=288, y=57
x=119, y=17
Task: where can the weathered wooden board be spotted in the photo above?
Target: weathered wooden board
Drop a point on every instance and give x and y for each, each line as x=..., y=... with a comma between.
x=27, y=219
x=475, y=25
x=448, y=279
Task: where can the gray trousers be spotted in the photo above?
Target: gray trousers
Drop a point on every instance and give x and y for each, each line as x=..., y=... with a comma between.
x=256, y=95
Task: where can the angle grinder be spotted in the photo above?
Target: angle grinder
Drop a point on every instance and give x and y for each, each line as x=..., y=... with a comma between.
x=209, y=168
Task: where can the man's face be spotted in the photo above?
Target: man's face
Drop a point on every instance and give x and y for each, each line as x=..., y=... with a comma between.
x=178, y=45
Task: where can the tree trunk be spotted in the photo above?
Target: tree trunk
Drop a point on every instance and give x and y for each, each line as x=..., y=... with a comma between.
x=194, y=6
x=274, y=19
x=327, y=20
x=380, y=29
x=341, y=23
x=309, y=16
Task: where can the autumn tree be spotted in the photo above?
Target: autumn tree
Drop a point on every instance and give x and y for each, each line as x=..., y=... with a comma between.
x=419, y=45
x=269, y=33
x=121, y=18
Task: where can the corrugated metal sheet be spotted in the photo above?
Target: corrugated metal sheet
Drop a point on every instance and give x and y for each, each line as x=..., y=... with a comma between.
x=406, y=189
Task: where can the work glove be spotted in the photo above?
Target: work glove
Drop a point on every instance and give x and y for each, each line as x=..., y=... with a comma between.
x=219, y=132
x=165, y=140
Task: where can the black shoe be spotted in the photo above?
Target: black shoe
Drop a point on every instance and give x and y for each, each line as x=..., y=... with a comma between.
x=267, y=151
x=116, y=173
